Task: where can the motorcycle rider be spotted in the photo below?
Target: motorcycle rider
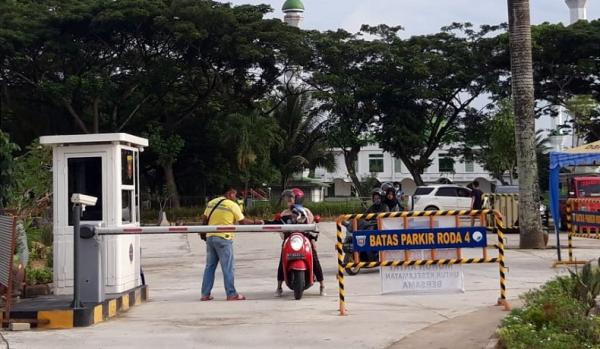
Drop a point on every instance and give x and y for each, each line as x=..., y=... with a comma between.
x=295, y=213
x=391, y=201
x=378, y=206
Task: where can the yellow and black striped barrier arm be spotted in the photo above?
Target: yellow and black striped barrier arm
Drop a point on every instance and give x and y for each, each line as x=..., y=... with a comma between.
x=468, y=213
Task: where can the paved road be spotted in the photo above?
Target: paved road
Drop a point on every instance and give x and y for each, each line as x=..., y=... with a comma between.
x=176, y=318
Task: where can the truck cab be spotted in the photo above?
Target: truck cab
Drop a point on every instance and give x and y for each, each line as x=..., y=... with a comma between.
x=578, y=187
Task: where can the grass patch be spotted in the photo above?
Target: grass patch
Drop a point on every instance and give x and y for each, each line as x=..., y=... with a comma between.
x=558, y=315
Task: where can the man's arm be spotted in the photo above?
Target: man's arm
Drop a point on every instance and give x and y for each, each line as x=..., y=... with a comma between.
x=247, y=221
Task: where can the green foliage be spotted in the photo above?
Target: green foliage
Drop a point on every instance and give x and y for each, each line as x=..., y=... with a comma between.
x=554, y=316
x=498, y=152
x=7, y=167
x=166, y=146
x=424, y=103
x=32, y=184
x=38, y=275
x=587, y=284
x=302, y=137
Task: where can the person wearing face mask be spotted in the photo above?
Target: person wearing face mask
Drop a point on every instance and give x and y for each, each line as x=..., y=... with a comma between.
x=391, y=201
x=378, y=206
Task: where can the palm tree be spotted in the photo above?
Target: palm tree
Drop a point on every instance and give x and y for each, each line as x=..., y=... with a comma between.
x=523, y=104
x=303, y=138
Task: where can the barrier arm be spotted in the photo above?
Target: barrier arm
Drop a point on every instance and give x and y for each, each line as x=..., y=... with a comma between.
x=469, y=213
x=182, y=229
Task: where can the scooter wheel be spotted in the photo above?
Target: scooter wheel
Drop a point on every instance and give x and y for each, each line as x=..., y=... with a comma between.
x=349, y=258
x=298, y=283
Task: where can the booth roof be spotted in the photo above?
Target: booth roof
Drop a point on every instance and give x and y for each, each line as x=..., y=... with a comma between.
x=95, y=138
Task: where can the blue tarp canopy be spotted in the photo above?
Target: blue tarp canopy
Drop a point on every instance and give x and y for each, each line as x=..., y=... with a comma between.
x=587, y=154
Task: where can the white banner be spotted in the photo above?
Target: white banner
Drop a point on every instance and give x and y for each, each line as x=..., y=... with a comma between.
x=421, y=279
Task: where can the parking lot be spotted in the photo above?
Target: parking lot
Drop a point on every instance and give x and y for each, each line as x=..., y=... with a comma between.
x=175, y=317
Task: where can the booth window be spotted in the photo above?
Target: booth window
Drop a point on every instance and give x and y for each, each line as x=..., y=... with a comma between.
x=127, y=167
x=85, y=177
x=128, y=186
x=126, y=206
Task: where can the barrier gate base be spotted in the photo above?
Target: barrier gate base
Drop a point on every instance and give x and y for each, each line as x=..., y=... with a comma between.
x=55, y=312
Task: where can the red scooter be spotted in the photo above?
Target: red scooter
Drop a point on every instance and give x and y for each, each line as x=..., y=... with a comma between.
x=297, y=259
x=297, y=256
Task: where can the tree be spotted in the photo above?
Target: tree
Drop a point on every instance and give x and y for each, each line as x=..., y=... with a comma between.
x=7, y=167
x=498, y=153
x=523, y=103
x=302, y=137
x=584, y=110
x=345, y=89
x=491, y=142
x=167, y=148
x=428, y=85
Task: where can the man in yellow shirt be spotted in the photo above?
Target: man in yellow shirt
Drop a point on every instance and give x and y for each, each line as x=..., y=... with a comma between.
x=223, y=210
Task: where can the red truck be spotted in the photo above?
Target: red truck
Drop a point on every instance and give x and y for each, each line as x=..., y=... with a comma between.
x=578, y=187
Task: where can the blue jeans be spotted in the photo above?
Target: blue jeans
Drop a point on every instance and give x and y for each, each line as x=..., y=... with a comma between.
x=219, y=250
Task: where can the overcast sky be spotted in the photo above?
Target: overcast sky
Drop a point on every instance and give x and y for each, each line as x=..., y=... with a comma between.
x=418, y=16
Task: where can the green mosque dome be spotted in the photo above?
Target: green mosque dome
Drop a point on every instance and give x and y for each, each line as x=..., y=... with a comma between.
x=292, y=5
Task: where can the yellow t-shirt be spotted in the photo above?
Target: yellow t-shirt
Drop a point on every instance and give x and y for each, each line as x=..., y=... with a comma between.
x=227, y=213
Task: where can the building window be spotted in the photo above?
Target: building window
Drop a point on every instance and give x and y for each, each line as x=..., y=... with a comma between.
x=446, y=164
x=375, y=163
x=397, y=165
x=469, y=166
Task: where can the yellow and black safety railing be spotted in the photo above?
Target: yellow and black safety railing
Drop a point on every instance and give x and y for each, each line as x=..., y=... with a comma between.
x=505, y=204
x=473, y=214
x=583, y=218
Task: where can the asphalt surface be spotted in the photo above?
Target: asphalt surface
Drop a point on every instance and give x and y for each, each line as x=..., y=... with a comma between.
x=174, y=317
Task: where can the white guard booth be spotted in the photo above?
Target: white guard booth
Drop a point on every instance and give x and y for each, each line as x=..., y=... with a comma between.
x=105, y=166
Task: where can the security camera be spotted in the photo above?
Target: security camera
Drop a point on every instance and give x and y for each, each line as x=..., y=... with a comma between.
x=84, y=199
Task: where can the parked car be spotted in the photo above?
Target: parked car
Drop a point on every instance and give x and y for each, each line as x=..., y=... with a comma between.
x=441, y=197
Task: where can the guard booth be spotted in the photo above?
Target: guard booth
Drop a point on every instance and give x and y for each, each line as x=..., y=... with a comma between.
x=105, y=166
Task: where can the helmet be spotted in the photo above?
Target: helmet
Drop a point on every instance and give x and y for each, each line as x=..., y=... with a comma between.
x=387, y=186
x=299, y=214
x=298, y=194
x=377, y=191
x=287, y=193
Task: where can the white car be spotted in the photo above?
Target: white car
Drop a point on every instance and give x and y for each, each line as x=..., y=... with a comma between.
x=441, y=197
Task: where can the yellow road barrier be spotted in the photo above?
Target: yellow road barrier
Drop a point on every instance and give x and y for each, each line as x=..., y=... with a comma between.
x=583, y=220
x=498, y=228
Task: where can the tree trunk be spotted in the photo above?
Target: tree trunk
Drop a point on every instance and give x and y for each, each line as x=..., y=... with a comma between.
x=415, y=171
x=523, y=103
x=171, y=185
x=350, y=156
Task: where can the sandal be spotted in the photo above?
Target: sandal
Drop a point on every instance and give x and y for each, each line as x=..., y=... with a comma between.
x=278, y=292
x=237, y=297
x=207, y=298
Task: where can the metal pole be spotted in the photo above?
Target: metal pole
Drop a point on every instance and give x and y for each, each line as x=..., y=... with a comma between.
x=76, y=236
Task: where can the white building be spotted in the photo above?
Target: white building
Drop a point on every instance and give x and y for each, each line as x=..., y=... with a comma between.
x=373, y=161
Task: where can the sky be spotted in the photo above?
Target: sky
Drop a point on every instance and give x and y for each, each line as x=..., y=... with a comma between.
x=418, y=16
x=422, y=17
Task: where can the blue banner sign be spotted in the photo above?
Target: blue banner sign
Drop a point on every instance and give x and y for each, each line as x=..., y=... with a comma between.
x=416, y=239
x=586, y=218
